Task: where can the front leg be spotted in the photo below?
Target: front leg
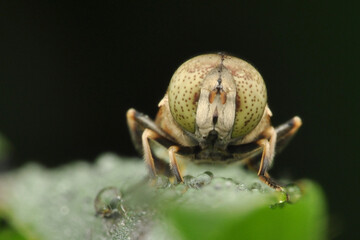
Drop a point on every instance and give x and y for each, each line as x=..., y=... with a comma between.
x=174, y=166
x=149, y=159
x=137, y=123
x=273, y=141
x=149, y=134
x=268, y=145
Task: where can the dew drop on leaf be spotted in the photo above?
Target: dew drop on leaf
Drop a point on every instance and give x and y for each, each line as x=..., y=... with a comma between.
x=109, y=203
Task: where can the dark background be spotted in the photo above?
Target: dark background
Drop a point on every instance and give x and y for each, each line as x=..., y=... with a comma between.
x=69, y=72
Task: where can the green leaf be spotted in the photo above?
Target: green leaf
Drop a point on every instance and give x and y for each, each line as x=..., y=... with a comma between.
x=6, y=232
x=256, y=218
x=214, y=203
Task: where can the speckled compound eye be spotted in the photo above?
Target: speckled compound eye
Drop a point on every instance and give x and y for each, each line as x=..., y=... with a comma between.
x=186, y=83
x=184, y=88
x=251, y=95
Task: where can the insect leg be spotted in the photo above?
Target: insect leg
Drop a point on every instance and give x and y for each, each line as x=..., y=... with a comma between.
x=136, y=129
x=149, y=134
x=286, y=131
x=137, y=123
x=268, y=146
x=174, y=166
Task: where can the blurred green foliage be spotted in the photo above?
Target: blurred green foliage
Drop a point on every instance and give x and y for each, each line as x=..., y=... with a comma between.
x=8, y=233
x=301, y=220
x=219, y=203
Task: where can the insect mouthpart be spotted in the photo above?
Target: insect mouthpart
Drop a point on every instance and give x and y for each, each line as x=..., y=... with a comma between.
x=212, y=137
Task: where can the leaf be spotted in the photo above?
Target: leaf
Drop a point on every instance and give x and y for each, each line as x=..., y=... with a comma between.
x=6, y=232
x=215, y=203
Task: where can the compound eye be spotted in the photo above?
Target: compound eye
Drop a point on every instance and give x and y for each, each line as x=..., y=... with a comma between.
x=184, y=88
x=251, y=96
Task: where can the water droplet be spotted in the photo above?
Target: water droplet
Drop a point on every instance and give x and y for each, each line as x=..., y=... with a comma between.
x=242, y=187
x=223, y=183
x=162, y=182
x=199, y=181
x=64, y=210
x=294, y=192
x=109, y=203
x=256, y=187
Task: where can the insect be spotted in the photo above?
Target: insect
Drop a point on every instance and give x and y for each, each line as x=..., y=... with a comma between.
x=214, y=111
